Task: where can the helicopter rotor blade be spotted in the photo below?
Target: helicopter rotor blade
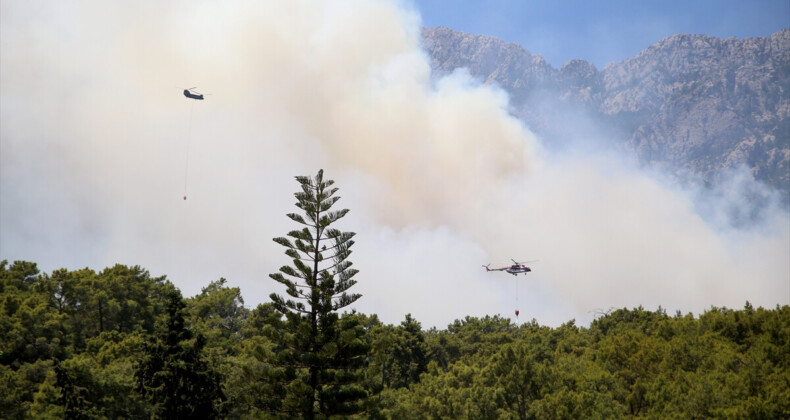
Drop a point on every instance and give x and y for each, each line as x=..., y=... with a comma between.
x=523, y=262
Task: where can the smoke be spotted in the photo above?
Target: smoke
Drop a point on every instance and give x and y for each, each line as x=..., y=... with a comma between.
x=440, y=179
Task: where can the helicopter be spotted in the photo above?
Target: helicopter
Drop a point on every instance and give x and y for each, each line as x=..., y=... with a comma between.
x=515, y=269
x=196, y=95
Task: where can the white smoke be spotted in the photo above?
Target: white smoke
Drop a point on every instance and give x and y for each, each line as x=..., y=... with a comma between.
x=440, y=179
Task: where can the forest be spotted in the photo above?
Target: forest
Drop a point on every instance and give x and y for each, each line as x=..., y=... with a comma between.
x=121, y=343
x=87, y=344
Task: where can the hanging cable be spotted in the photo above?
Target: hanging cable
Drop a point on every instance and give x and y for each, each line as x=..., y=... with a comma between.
x=516, y=297
x=186, y=159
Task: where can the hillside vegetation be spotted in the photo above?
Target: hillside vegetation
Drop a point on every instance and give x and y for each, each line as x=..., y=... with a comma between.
x=120, y=343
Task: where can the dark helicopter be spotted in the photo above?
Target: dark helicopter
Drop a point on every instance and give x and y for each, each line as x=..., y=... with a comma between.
x=191, y=95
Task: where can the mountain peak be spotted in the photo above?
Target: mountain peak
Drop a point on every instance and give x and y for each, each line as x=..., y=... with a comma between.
x=691, y=103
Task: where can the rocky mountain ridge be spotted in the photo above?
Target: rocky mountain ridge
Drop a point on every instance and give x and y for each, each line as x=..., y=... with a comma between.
x=693, y=104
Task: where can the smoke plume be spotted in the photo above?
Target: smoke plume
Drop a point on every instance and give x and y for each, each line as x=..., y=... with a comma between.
x=439, y=177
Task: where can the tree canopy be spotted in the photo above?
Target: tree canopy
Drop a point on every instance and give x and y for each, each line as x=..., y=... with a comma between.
x=211, y=352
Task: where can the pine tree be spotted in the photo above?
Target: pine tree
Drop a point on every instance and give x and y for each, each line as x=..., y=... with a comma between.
x=174, y=376
x=315, y=368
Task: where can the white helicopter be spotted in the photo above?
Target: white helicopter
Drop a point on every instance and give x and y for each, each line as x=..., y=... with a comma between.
x=515, y=269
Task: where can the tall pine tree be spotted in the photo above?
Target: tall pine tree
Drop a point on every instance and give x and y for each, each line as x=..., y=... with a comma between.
x=315, y=367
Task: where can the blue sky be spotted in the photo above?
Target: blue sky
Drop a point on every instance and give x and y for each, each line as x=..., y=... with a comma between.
x=603, y=31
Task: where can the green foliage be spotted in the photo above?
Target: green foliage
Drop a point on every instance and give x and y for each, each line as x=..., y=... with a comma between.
x=403, y=353
x=316, y=367
x=29, y=327
x=70, y=340
x=173, y=375
x=467, y=337
x=18, y=387
x=219, y=314
x=629, y=363
x=123, y=344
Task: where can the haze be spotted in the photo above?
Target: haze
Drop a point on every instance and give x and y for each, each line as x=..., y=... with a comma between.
x=439, y=178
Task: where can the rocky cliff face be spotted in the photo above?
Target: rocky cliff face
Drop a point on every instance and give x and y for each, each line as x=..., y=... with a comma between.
x=691, y=103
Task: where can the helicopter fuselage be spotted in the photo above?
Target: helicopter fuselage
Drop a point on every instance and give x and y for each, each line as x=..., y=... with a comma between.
x=518, y=269
x=191, y=95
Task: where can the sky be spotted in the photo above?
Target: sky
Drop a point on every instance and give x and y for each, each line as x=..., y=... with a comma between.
x=98, y=148
x=603, y=32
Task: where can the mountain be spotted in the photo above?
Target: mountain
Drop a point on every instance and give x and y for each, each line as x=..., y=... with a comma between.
x=693, y=104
